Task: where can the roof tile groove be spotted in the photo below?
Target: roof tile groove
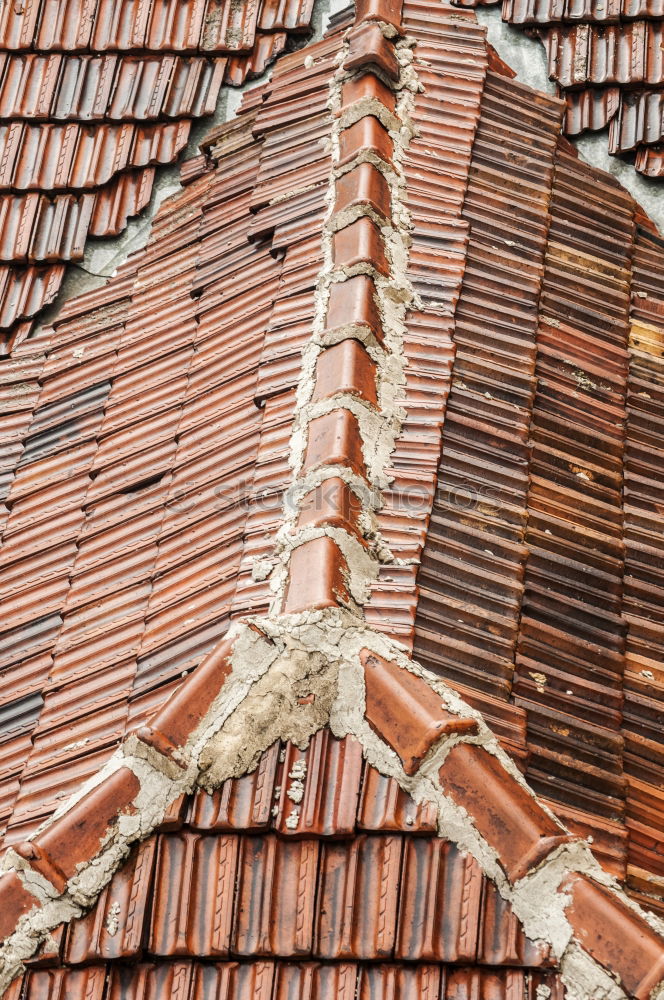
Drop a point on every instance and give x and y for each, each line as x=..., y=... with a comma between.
x=202, y=873
x=578, y=448
x=642, y=591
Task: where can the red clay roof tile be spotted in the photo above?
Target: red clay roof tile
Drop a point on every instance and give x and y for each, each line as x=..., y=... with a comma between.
x=318, y=576
x=365, y=137
x=331, y=503
x=422, y=719
x=334, y=439
x=78, y=835
x=509, y=819
x=615, y=936
x=352, y=303
x=368, y=47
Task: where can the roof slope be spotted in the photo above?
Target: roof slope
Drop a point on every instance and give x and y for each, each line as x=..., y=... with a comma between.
x=93, y=95
x=339, y=902
x=607, y=61
x=253, y=466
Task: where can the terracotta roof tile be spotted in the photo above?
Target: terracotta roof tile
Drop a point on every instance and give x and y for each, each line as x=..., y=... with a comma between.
x=606, y=61
x=364, y=907
x=80, y=87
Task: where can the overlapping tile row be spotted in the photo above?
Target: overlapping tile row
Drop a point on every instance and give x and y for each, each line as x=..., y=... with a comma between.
x=361, y=880
x=544, y=12
x=445, y=116
x=91, y=95
x=282, y=980
x=607, y=61
x=288, y=202
x=570, y=656
x=112, y=423
x=471, y=578
x=171, y=26
x=642, y=604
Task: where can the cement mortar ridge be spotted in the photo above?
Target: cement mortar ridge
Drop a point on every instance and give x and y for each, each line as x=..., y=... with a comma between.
x=313, y=653
x=379, y=428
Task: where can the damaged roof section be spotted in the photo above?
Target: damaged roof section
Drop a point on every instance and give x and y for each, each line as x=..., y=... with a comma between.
x=607, y=61
x=94, y=95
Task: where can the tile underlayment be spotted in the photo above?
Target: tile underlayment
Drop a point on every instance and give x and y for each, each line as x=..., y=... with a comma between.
x=290, y=673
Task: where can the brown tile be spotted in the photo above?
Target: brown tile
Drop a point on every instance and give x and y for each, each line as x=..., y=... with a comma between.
x=316, y=576
x=486, y=984
x=360, y=243
x=439, y=908
x=76, y=837
x=421, y=720
x=615, y=936
x=379, y=10
x=358, y=898
x=233, y=981
x=363, y=185
x=345, y=367
x=384, y=982
x=192, y=910
x=368, y=47
x=386, y=806
x=506, y=815
x=502, y=941
x=15, y=900
x=353, y=303
x=66, y=984
x=275, y=897
x=332, y=503
x=114, y=926
x=334, y=439
x=319, y=788
x=367, y=137
x=172, y=726
x=240, y=803
x=311, y=981
x=149, y=982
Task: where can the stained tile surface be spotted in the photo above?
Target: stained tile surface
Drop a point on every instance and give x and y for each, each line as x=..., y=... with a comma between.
x=606, y=59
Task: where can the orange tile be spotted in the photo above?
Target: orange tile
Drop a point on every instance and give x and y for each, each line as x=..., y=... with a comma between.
x=421, y=720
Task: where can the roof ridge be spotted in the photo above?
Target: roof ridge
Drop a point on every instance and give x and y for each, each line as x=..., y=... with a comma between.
x=314, y=660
